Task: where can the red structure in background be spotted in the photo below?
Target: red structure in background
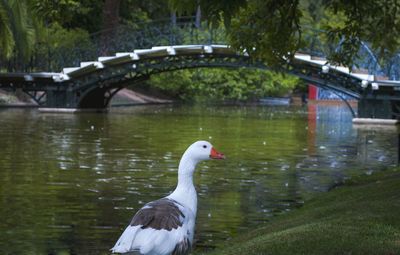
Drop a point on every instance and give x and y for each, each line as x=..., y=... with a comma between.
x=312, y=127
x=312, y=92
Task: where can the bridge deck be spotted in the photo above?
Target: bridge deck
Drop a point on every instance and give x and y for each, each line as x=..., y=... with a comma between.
x=101, y=78
x=164, y=51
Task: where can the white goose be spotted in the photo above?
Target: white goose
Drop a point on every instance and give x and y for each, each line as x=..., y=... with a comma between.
x=166, y=226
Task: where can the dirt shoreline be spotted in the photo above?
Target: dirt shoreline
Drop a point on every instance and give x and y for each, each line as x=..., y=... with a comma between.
x=123, y=97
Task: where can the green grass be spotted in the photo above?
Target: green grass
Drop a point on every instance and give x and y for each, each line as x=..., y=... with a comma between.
x=360, y=217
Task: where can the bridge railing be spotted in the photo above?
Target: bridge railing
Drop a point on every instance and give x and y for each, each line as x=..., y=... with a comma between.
x=367, y=60
x=316, y=44
x=184, y=30
x=125, y=38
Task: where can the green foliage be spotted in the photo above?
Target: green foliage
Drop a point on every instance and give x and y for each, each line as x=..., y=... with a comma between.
x=272, y=30
x=223, y=84
x=374, y=21
x=59, y=37
x=7, y=42
x=137, y=11
x=17, y=28
x=61, y=11
x=269, y=30
x=70, y=13
x=214, y=11
x=266, y=29
x=58, y=40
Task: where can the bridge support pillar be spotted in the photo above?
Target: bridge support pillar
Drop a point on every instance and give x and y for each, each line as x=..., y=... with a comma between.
x=61, y=99
x=378, y=108
x=78, y=100
x=56, y=98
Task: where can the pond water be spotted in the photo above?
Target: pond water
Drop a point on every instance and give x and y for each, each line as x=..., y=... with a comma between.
x=70, y=183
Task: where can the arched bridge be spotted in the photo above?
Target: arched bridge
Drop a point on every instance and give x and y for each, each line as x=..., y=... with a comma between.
x=93, y=84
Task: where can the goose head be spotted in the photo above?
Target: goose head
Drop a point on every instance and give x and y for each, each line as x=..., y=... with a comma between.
x=202, y=150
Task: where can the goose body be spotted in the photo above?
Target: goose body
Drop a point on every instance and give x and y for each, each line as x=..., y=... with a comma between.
x=166, y=226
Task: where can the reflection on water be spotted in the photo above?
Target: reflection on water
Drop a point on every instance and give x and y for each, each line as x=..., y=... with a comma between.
x=69, y=183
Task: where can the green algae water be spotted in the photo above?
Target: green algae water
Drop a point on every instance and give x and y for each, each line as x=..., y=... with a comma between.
x=70, y=183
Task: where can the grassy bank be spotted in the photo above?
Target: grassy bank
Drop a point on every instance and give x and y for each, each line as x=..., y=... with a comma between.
x=360, y=217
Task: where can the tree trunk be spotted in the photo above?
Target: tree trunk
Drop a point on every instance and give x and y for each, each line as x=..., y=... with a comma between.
x=198, y=17
x=110, y=24
x=173, y=18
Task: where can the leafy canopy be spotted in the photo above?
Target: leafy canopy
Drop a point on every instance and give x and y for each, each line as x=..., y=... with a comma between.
x=215, y=84
x=273, y=30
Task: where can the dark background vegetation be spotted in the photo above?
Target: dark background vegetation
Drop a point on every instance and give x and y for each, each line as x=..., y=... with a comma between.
x=268, y=30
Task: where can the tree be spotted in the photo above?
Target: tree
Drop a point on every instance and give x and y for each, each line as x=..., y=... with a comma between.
x=218, y=84
x=18, y=28
x=269, y=30
x=272, y=30
x=376, y=22
x=7, y=42
x=214, y=11
x=70, y=14
x=110, y=23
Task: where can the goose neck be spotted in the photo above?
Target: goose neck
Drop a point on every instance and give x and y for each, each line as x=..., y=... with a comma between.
x=185, y=172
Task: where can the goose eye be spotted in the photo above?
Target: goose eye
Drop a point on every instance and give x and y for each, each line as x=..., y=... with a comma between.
x=204, y=146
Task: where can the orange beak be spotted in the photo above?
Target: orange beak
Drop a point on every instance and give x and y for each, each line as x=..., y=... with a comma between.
x=216, y=155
